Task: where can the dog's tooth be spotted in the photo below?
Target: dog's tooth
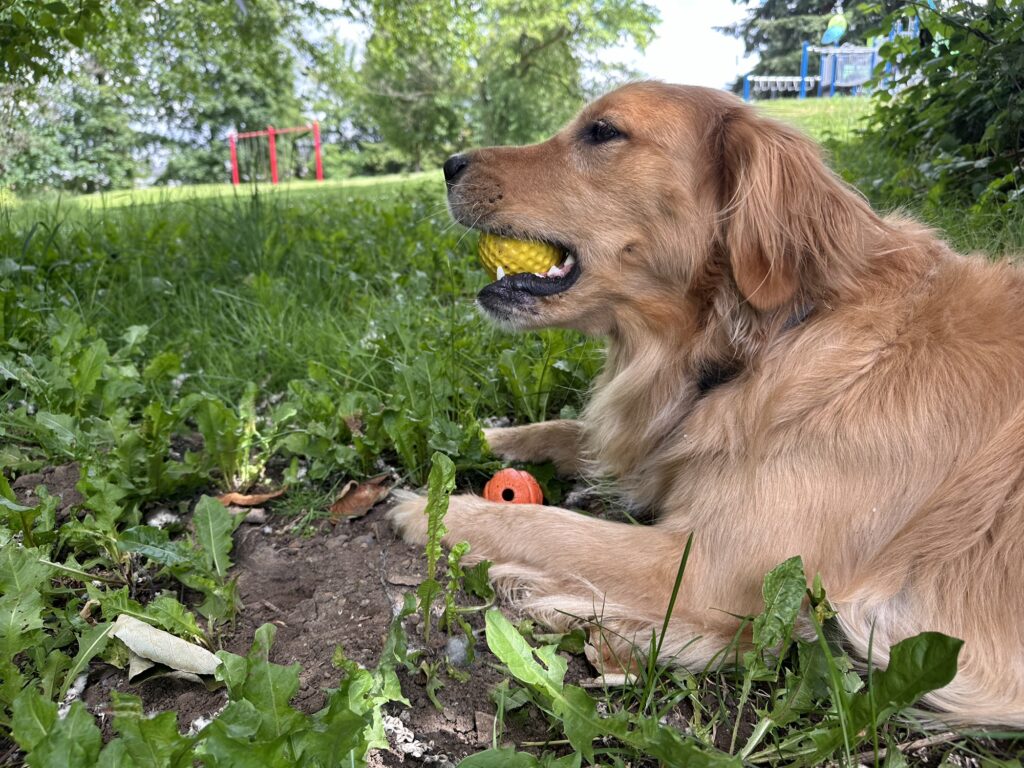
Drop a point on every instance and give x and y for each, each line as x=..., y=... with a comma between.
x=569, y=262
x=500, y=272
x=553, y=271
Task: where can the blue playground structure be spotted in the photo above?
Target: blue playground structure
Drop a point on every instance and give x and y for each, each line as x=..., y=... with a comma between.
x=841, y=68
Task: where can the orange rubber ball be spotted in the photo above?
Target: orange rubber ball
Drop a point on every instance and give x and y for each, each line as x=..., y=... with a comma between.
x=513, y=486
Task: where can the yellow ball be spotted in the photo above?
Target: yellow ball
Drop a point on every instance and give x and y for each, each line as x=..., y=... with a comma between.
x=516, y=256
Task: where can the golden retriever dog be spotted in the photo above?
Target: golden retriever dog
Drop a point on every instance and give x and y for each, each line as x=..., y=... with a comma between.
x=788, y=373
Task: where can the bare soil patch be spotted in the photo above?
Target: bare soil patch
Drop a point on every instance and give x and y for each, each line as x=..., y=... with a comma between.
x=340, y=586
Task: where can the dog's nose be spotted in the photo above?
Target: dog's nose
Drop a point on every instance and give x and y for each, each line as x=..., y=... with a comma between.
x=454, y=166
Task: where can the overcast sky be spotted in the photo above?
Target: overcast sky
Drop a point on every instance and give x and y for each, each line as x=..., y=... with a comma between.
x=687, y=49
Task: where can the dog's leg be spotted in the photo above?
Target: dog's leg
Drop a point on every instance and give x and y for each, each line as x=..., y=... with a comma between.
x=567, y=569
x=556, y=441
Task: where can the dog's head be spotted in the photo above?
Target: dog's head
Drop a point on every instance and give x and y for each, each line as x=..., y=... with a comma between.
x=661, y=195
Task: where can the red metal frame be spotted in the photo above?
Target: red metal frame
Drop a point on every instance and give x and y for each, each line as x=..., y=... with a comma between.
x=271, y=133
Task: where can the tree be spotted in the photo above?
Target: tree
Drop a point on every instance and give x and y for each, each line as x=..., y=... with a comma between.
x=198, y=71
x=174, y=78
x=533, y=57
x=775, y=30
x=35, y=33
x=73, y=135
x=440, y=75
x=957, y=106
x=415, y=73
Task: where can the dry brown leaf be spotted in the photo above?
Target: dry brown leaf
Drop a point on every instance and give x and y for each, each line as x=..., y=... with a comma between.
x=247, y=499
x=356, y=499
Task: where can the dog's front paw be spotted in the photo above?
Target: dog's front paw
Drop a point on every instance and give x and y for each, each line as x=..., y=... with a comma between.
x=503, y=442
x=409, y=518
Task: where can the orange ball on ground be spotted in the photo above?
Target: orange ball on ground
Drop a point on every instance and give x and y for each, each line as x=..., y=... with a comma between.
x=513, y=486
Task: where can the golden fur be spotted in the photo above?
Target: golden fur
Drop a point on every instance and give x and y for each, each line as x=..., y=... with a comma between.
x=881, y=437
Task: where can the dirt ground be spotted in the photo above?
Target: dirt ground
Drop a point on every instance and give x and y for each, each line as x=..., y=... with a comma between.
x=339, y=586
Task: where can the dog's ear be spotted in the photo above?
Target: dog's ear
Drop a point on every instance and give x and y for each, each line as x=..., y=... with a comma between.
x=785, y=216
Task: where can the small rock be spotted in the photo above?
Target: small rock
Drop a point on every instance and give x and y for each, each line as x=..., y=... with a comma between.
x=364, y=541
x=256, y=516
x=404, y=579
x=484, y=728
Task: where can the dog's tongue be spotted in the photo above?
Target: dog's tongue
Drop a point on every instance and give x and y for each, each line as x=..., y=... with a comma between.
x=506, y=256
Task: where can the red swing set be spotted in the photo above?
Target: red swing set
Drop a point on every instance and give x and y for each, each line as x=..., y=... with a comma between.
x=271, y=133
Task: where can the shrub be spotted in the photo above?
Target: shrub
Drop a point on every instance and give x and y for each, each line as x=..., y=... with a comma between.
x=955, y=108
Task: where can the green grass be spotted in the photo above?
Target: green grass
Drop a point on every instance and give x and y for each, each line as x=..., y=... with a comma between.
x=321, y=329
x=837, y=118
x=372, y=185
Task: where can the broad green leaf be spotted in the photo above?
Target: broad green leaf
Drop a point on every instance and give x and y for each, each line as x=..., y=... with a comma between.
x=115, y=755
x=155, y=544
x=168, y=613
x=33, y=718
x=12, y=506
x=508, y=645
x=917, y=665
x=580, y=720
x=20, y=616
x=232, y=671
x=396, y=645
x=505, y=757
x=152, y=742
x=270, y=687
x=134, y=336
x=6, y=491
x=60, y=426
x=783, y=591
x=21, y=569
x=476, y=581
x=88, y=369
x=12, y=682
x=90, y=643
x=164, y=612
x=343, y=733
x=214, y=526
x=73, y=742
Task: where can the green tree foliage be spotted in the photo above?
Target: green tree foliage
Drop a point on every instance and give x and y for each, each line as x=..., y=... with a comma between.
x=957, y=106
x=415, y=72
x=152, y=90
x=776, y=29
x=74, y=134
x=201, y=70
x=167, y=81
x=533, y=59
x=438, y=76
x=33, y=34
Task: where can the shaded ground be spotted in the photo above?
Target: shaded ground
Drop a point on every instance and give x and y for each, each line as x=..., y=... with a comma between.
x=339, y=586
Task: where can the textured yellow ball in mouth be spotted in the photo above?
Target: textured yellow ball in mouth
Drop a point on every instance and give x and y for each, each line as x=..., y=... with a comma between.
x=513, y=257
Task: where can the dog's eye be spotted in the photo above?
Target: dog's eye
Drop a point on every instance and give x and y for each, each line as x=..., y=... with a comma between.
x=601, y=131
